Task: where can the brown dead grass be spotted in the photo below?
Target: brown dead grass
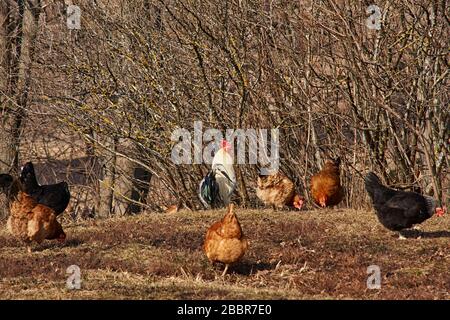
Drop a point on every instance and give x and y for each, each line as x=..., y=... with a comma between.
x=308, y=255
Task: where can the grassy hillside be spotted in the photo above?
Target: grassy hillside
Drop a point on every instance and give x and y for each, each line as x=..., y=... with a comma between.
x=307, y=255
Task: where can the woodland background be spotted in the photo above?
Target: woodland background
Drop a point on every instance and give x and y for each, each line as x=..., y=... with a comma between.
x=96, y=106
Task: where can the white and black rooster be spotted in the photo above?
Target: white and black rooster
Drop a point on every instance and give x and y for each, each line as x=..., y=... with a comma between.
x=219, y=184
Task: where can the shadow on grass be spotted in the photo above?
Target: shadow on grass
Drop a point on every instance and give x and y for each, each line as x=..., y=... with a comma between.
x=71, y=243
x=425, y=234
x=435, y=234
x=246, y=268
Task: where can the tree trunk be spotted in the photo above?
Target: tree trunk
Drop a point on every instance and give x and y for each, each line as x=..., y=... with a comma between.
x=108, y=164
x=131, y=183
x=124, y=186
x=10, y=30
x=15, y=85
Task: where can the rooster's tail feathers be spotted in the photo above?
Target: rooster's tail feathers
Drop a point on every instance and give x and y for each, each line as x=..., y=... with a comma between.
x=209, y=190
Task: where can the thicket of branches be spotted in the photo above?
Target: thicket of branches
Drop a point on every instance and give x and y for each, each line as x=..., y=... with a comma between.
x=139, y=69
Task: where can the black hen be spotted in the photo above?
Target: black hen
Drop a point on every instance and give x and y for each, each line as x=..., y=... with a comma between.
x=398, y=210
x=55, y=196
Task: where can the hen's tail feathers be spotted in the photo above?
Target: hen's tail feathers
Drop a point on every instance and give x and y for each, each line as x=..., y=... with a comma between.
x=372, y=181
x=66, y=187
x=430, y=204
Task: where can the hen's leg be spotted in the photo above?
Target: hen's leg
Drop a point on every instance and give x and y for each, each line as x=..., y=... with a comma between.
x=225, y=270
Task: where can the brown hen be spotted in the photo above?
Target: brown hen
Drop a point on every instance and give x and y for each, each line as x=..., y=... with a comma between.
x=279, y=191
x=326, y=189
x=225, y=241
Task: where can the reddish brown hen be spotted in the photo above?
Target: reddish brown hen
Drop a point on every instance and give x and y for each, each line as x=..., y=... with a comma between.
x=279, y=191
x=225, y=241
x=28, y=220
x=326, y=189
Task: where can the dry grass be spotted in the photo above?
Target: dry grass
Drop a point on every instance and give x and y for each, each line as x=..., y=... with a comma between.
x=307, y=255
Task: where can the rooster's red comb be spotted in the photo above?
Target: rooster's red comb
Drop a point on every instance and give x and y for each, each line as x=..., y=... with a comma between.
x=225, y=144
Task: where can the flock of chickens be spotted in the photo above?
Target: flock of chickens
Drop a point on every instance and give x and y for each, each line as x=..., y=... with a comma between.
x=34, y=208
x=225, y=242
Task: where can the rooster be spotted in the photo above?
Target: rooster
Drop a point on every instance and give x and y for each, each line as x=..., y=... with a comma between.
x=278, y=190
x=326, y=189
x=397, y=210
x=219, y=184
x=225, y=241
x=28, y=220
